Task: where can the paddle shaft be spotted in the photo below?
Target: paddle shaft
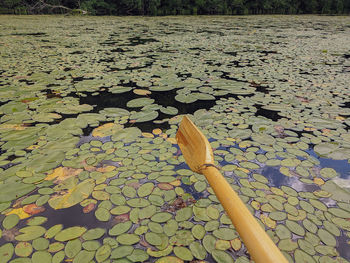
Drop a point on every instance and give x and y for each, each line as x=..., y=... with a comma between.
x=259, y=244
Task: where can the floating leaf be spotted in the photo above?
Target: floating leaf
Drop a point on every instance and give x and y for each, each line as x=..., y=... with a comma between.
x=287, y=245
x=35, y=221
x=160, y=253
x=94, y=233
x=326, y=237
x=120, y=228
x=10, y=221
x=128, y=239
x=103, y=253
x=169, y=259
x=295, y=228
x=72, y=248
x=102, y=214
x=74, y=195
x=12, y=191
x=70, y=233
x=161, y=217
x=209, y=243
x=153, y=238
x=140, y=102
x=53, y=231
x=222, y=244
x=138, y=255
x=84, y=256
x=41, y=257
x=236, y=244
x=30, y=233
x=6, y=252
x=121, y=251
x=222, y=256
x=183, y=253
x=40, y=243
x=145, y=190
x=107, y=129
x=23, y=249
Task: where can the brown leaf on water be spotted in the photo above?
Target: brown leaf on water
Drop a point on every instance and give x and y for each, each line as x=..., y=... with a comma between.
x=134, y=185
x=106, y=169
x=303, y=99
x=280, y=130
x=89, y=168
x=33, y=209
x=62, y=173
x=121, y=218
x=144, y=243
x=87, y=209
x=9, y=235
x=165, y=186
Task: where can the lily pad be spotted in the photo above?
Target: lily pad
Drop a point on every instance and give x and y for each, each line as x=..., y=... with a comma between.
x=70, y=233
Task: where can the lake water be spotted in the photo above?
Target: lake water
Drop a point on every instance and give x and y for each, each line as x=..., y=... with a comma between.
x=89, y=108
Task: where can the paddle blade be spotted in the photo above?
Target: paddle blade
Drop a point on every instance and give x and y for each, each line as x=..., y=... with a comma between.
x=194, y=146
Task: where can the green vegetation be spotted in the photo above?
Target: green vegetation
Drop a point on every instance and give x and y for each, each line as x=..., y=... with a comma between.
x=175, y=7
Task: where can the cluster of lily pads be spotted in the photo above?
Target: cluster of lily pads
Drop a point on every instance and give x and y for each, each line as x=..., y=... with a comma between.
x=273, y=108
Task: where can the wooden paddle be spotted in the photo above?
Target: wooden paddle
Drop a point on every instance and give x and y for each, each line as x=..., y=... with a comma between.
x=198, y=155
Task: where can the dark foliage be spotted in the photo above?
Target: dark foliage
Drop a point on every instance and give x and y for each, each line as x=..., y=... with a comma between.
x=176, y=7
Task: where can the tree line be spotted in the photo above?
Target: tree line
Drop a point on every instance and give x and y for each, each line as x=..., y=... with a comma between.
x=175, y=7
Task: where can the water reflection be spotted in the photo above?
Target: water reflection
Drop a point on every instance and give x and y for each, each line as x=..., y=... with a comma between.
x=277, y=179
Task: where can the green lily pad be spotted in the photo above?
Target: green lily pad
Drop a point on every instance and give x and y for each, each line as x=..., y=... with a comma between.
x=287, y=245
x=23, y=249
x=183, y=214
x=222, y=256
x=198, y=251
x=153, y=238
x=183, y=253
x=30, y=233
x=278, y=216
x=103, y=253
x=35, y=221
x=283, y=232
x=140, y=102
x=40, y=243
x=41, y=257
x=70, y=233
x=198, y=231
x=91, y=245
x=102, y=214
x=295, y=228
x=10, y=221
x=306, y=246
x=12, y=191
x=94, y=233
x=138, y=202
x=145, y=189
x=52, y=231
x=209, y=243
x=170, y=227
x=121, y=251
x=84, y=256
x=301, y=256
x=144, y=116
x=138, y=255
x=327, y=237
x=72, y=248
x=161, y=217
x=6, y=252
x=120, y=228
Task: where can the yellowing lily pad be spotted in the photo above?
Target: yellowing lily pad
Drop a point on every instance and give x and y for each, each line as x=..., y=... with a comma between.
x=73, y=196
